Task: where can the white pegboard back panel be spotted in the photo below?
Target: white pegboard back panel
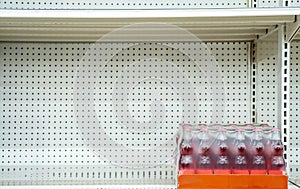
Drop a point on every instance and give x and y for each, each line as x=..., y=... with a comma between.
x=124, y=4
x=267, y=83
x=269, y=3
x=276, y=3
x=294, y=3
x=59, y=99
x=137, y=4
x=77, y=174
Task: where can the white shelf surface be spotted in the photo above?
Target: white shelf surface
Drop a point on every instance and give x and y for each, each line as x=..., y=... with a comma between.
x=90, y=25
x=186, y=13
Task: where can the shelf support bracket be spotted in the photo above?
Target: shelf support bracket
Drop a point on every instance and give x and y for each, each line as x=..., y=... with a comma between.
x=284, y=90
x=292, y=29
x=253, y=72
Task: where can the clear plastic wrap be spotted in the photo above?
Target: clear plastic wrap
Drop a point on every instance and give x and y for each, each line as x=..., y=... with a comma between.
x=254, y=149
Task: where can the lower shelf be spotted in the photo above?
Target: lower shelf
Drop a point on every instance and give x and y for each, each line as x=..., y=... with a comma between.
x=91, y=187
x=290, y=186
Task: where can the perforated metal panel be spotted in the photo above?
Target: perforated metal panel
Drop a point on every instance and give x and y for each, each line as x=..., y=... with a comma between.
x=276, y=3
x=165, y=4
x=294, y=152
x=107, y=112
x=267, y=83
x=294, y=3
x=272, y=73
x=270, y=3
x=114, y=4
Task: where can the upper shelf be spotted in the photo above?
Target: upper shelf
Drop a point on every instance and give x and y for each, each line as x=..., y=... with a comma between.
x=148, y=25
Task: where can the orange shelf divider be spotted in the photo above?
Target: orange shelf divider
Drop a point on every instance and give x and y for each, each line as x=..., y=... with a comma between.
x=230, y=181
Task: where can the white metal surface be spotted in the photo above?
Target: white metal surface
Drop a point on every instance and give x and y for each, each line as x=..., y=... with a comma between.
x=293, y=29
x=155, y=13
x=123, y=4
x=253, y=80
x=153, y=4
x=294, y=144
x=294, y=3
x=270, y=3
x=283, y=68
x=89, y=26
x=52, y=116
x=267, y=80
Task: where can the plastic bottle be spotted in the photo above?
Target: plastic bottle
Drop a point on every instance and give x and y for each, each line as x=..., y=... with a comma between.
x=248, y=129
x=276, y=164
x=275, y=142
x=221, y=153
x=203, y=154
x=178, y=133
x=240, y=164
x=231, y=133
x=267, y=130
x=258, y=160
x=186, y=145
x=197, y=135
x=231, y=127
x=184, y=141
x=213, y=129
x=180, y=130
x=202, y=125
x=264, y=126
x=186, y=164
